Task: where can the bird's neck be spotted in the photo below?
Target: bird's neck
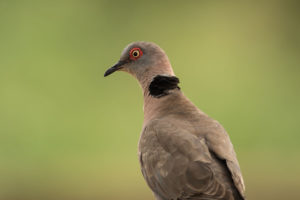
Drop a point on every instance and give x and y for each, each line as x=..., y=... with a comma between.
x=153, y=99
x=174, y=103
x=158, y=93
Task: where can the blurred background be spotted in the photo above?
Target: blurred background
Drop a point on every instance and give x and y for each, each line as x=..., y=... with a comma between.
x=66, y=132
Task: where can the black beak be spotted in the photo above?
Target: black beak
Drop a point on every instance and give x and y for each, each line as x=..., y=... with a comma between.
x=116, y=67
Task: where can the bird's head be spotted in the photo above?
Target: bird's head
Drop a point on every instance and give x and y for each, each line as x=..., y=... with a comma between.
x=142, y=60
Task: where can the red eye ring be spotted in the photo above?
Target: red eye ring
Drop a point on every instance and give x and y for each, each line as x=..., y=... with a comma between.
x=135, y=53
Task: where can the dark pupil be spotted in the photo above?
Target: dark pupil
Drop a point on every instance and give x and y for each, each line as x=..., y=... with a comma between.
x=135, y=54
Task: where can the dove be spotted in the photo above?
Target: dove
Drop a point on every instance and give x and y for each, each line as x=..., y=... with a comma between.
x=184, y=154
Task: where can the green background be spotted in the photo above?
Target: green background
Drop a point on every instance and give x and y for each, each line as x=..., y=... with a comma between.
x=66, y=132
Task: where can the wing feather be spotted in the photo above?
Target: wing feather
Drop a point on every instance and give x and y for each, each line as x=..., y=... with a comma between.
x=179, y=165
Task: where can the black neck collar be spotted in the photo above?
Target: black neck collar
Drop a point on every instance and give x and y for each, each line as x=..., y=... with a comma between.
x=161, y=85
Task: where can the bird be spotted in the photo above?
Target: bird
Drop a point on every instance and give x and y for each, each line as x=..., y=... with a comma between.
x=184, y=154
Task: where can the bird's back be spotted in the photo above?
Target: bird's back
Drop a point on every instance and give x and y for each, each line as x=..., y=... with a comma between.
x=178, y=158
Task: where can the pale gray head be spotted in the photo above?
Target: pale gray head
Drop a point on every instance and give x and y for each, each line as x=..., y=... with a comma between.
x=144, y=60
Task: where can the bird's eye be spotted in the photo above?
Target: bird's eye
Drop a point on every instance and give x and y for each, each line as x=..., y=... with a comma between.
x=135, y=53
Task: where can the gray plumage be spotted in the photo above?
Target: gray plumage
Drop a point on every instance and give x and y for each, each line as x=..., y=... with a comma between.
x=184, y=154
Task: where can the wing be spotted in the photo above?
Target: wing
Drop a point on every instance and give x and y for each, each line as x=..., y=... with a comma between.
x=219, y=144
x=179, y=165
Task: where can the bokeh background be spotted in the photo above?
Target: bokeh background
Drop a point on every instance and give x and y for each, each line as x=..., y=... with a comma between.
x=66, y=132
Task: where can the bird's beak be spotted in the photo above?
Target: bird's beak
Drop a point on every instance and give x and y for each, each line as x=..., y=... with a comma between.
x=116, y=67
